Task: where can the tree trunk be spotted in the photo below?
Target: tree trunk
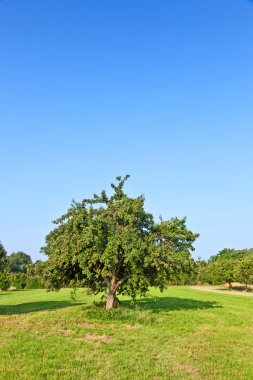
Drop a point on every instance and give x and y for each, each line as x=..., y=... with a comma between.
x=246, y=287
x=112, y=286
x=110, y=301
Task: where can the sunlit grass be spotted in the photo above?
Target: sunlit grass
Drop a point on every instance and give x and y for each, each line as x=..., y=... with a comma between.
x=179, y=334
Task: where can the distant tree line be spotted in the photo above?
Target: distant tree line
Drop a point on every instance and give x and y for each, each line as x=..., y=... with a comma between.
x=17, y=270
x=227, y=266
x=230, y=266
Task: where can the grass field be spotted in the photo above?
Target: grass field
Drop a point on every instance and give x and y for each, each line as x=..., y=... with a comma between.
x=183, y=334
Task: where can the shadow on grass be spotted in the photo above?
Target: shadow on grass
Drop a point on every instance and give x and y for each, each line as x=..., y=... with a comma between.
x=30, y=307
x=145, y=310
x=171, y=304
x=241, y=289
x=152, y=305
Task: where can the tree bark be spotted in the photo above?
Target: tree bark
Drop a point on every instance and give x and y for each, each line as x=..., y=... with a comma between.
x=112, y=286
x=111, y=298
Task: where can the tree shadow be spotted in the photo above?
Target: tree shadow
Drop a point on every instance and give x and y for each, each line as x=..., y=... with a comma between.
x=144, y=310
x=30, y=307
x=241, y=289
x=155, y=305
x=163, y=304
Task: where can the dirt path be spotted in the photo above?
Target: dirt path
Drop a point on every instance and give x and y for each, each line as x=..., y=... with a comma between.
x=221, y=290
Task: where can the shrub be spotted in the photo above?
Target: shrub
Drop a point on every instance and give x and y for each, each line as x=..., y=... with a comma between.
x=4, y=281
x=35, y=282
x=18, y=280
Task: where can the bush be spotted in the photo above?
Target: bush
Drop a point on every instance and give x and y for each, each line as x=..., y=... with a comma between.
x=18, y=280
x=4, y=281
x=35, y=282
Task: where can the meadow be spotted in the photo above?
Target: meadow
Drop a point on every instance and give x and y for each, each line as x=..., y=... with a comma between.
x=181, y=333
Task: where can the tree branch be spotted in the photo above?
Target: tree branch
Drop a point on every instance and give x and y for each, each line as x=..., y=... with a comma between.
x=120, y=282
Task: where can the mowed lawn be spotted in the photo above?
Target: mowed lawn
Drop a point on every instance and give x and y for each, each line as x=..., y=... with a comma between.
x=179, y=334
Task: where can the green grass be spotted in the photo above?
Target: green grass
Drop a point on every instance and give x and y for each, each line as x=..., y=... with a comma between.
x=183, y=334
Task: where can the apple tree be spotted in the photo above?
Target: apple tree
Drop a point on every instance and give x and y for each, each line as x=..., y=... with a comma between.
x=111, y=244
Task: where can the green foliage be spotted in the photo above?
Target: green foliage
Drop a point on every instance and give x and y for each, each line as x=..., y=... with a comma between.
x=18, y=262
x=224, y=254
x=4, y=276
x=36, y=269
x=35, y=282
x=32, y=279
x=112, y=244
x=184, y=277
x=18, y=280
x=4, y=280
x=3, y=258
x=199, y=276
x=35, y=275
x=226, y=266
x=220, y=271
x=244, y=270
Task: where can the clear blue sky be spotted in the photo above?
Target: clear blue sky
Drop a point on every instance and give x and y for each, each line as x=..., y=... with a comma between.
x=160, y=89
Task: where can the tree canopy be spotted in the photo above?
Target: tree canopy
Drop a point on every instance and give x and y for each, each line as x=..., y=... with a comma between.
x=244, y=270
x=3, y=258
x=228, y=265
x=228, y=254
x=112, y=244
x=18, y=262
x=4, y=276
